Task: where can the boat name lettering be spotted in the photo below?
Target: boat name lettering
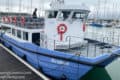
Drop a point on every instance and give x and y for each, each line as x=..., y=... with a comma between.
x=59, y=62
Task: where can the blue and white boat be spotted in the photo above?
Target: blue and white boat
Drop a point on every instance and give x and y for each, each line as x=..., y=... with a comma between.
x=56, y=44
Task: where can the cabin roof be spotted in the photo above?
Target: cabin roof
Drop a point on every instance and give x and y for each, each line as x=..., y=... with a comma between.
x=69, y=7
x=13, y=14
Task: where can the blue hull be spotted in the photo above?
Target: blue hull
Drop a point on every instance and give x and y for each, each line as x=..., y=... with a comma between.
x=53, y=63
x=96, y=25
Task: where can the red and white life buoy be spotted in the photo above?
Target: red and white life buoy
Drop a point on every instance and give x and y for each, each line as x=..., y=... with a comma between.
x=23, y=20
x=61, y=28
x=14, y=19
x=4, y=19
x=8, y=19
x=84, y=27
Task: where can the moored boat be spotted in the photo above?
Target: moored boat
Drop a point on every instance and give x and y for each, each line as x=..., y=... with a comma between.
x=56, y=44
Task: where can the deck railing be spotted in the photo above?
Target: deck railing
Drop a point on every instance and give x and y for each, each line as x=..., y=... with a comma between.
x=24, y=22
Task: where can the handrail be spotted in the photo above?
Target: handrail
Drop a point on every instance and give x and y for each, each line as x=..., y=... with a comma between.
x=71, y=37
x=28, y=22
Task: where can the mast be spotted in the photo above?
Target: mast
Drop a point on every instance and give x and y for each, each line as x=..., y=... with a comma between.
x=98, y=8
x=31, y=6
x=20, y=5
x=7, y=5
x=57, y=3
x=105, y=10
x=11, y=5
x=41, y=7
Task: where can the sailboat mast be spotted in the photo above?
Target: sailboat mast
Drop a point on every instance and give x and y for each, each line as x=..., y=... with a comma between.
x=31, y=6
x=20, y=5
x=98, y=9
x=105, y=10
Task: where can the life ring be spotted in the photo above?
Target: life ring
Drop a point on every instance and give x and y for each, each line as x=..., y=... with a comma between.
x=84, y=27
x=14, y=19
x=23, y=20
x=4, y=19
x=62, y=28
x=8, y=19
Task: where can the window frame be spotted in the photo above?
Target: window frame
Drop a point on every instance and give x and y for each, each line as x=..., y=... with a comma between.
x=25, y=36
x=52, y=14
x=81, y=17
x=14, y=32
x=19, y=34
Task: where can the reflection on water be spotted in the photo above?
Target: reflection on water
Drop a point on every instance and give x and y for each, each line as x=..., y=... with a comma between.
x=111, y=72
x=97, y=74
x=104, y=34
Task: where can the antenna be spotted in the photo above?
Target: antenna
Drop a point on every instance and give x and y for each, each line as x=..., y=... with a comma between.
x=20, y=5
x=31, y=6
x=41, y=7
x=7, y=5
x=55, y=3
x=11, y=5
x=105, y=11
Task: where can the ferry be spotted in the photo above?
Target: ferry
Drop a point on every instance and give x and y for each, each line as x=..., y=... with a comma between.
x=56, y=44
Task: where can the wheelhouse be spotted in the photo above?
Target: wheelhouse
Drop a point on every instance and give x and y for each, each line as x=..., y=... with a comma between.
x=67, y=14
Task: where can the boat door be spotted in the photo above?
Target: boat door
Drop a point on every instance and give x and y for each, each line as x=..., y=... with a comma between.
x=36, y=38
x=39, y=39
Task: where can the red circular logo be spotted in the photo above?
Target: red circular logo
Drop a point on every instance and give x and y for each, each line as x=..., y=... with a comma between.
x=62, y=28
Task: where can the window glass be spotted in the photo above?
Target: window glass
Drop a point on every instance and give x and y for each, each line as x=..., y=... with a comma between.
x=36, y=38
x=79, y=15
x=52, y=14
x=6, y=30
x=18, y=33
x=64, y=15
x=25, y=35
x=13, y=32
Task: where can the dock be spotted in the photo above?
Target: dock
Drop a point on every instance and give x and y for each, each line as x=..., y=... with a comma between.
x=14, y=68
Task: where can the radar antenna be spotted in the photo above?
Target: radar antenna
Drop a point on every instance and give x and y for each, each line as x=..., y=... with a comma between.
x=56, y=3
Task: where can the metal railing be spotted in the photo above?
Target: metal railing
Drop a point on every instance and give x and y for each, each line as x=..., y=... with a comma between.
x=28, y=22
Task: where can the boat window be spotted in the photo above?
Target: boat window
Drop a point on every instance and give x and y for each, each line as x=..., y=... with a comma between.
x=25, y=35
x=6, y=29
x=79, y=15
x=64, y=15
x=52, y=14
x=36, y=38
x=18, y=33
x=13, y=32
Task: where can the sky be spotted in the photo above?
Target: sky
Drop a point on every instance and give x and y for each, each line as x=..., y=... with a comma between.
x=99, y=8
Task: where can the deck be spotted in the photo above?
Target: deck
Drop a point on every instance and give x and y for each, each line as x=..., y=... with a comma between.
x=92, y=48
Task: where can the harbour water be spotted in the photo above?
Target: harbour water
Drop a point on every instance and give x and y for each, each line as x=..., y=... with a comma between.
x=104, y=34
x=111, y=72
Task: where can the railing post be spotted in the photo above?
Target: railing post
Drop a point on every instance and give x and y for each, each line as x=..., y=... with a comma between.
x=95, y=51
x=54, y=44
x=87, y=48
x=118, y=40
x=69, y=42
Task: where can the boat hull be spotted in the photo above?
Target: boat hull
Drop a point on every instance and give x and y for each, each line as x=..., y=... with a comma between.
x=58, y=65
x=53, y=67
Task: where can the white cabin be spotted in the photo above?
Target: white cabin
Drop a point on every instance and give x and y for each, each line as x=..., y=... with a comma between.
x=62, y=27
x=73, y=18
